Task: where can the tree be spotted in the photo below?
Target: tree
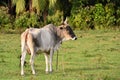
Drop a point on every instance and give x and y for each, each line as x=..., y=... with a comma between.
x=65, y=6
x=40, y=7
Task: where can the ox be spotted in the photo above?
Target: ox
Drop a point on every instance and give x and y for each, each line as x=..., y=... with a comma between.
x=47, y=40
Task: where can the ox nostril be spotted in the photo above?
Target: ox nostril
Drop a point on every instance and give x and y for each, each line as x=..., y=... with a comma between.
x=75, y=38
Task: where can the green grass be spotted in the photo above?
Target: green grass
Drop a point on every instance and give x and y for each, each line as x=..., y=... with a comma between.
x=94, y=56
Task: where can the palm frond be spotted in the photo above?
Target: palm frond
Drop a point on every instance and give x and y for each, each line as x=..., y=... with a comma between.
x=52, y=3
x=14, y=2
x=39, y=5
x=20, y=6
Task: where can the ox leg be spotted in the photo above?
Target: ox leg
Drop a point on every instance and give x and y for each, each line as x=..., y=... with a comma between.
x=32, y=63
x=47, y=62
x=51, y=57
x=22, y=61
x=32, y=50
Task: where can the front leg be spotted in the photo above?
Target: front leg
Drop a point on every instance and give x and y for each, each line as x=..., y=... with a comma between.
x=47, y=61
x=51, y=58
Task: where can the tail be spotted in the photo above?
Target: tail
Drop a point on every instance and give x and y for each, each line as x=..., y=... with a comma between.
x=24, y=45
x=24, y=40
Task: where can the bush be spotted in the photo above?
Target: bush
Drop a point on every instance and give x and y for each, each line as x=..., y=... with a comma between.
x=99, y=16
x=95, y=17
x=85, y=14
x=33, y=21
x=27, y=20
x=110, y=17
x=83, y=19
x=55, y=18
x=5, y=20
x=118, y=17
x=21, y=21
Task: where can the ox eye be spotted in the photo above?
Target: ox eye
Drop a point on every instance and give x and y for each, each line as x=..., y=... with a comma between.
x=61, y=28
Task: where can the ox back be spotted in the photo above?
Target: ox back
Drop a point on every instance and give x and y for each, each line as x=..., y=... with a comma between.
x=45, y=38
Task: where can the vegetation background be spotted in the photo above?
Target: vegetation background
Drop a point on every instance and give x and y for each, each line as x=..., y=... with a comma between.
x=82, y=14
x=94, y=56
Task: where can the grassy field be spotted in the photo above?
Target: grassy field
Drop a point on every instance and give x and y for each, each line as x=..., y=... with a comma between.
x=94, y=56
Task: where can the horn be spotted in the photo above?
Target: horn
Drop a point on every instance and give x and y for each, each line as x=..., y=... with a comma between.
x=62, y=22
x=66, y=21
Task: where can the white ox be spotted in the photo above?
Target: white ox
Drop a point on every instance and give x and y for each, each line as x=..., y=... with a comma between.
x=46, y=39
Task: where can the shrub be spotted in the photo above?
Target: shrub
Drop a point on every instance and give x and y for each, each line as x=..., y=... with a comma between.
x=118, y=16
x=27, y=20
x=55, y=18
x=5, y=20
x=33, y=21
x=94, y=17
x=99, y=16
x=21, y=21
x=83, y=19
x=110, y=17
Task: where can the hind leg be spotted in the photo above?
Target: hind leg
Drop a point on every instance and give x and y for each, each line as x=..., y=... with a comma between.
x=32, y=63
x=23, y=55
x=22, y=61
x=32, y=51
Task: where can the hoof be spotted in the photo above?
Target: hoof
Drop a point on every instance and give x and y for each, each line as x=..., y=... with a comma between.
x=47, y=72
x=33, y=73
x=51, y=71
x=22, y=74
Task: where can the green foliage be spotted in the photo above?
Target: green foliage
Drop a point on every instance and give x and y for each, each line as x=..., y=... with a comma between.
x=33, y=20
x=39, y=5
x=5, y=20
x=20, y=6
x=99, y=15
x=27, y=20
x=21, y=21
x=52, y=3
x=85, y=14
x=56, y=19
x=118, y=17
x=110, y=17
x=82, y=19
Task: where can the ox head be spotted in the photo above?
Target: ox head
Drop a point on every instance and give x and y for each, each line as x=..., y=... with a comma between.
x=66, y=31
